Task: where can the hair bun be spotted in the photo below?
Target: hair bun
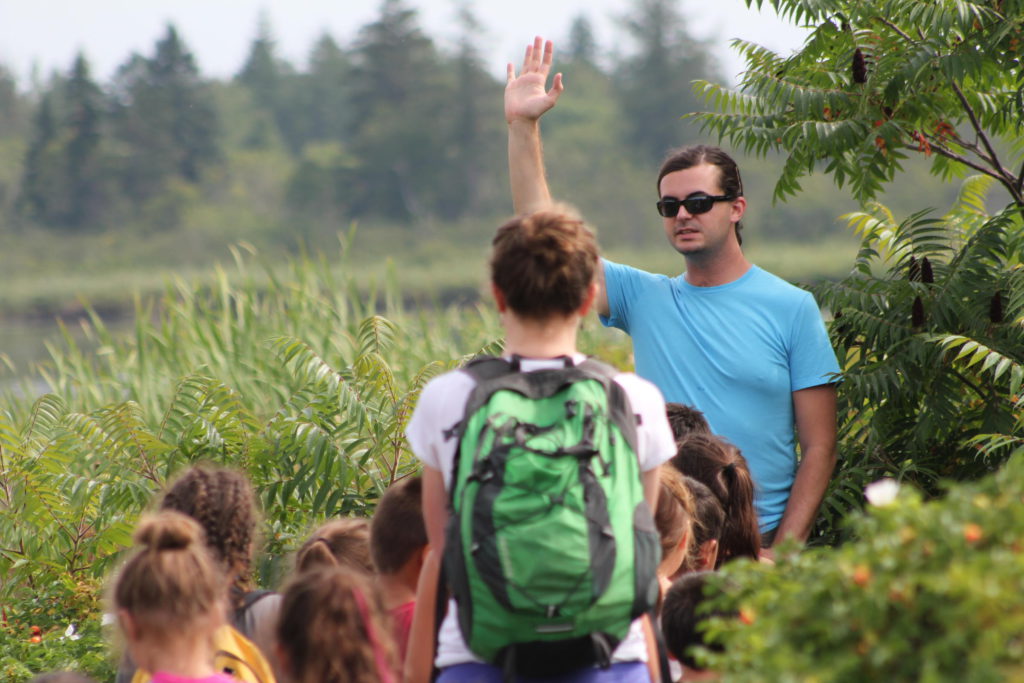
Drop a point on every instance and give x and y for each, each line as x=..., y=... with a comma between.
x=168, y=530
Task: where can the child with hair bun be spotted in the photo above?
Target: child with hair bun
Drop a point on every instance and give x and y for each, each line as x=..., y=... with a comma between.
x=222, y=501
x=170, y=602
x=331, y=629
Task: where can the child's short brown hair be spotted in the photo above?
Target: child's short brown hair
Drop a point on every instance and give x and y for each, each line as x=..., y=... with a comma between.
x=397, y=530
x=682, y=617
x=685, y=420
x=544, y=262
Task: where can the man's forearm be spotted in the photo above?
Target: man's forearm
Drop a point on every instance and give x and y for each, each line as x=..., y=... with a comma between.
x=526, y=167
x=806, y=495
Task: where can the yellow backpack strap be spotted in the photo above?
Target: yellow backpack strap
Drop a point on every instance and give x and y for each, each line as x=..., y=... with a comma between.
x=239, y=658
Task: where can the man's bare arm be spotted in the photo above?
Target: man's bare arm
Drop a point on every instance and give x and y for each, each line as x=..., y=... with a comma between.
x=815, y=412
x=526, y=100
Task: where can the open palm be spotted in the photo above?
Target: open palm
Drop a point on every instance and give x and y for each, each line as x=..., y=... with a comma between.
x=526, y=96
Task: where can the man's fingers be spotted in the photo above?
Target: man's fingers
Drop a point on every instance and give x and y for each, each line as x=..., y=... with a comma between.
x=549, y=51
x=537, y=52
x=510, y=72
x=557, y=86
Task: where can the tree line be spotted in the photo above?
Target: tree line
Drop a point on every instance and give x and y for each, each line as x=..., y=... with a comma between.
x=392, y=127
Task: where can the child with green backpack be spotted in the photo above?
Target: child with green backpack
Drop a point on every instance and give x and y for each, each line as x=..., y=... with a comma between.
x=539, y=477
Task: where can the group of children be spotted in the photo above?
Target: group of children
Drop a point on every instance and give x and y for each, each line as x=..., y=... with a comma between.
x=360, y=602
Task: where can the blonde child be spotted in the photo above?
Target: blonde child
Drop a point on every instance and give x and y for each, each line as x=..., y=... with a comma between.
x=170, y=602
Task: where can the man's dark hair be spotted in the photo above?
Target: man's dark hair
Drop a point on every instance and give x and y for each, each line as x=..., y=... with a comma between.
x=685, y=420
x=682, y=158
x=397, y=530
x=682, y=620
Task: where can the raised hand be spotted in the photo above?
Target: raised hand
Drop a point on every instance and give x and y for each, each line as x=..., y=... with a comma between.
x=526, y=98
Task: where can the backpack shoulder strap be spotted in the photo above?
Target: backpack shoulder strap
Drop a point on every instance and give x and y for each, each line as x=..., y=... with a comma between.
x=238, y=657
x=241, y=619
x=481, y=369
x=620, y=408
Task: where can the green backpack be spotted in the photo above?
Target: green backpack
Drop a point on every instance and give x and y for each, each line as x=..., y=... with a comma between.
x=551, y=550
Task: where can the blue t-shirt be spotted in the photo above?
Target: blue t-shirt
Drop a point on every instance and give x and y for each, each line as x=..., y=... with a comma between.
x=735, y=352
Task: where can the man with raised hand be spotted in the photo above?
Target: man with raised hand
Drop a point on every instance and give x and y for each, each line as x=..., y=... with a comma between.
x=742, y=345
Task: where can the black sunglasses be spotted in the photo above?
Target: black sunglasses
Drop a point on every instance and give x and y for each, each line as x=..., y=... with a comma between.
x=695, y=204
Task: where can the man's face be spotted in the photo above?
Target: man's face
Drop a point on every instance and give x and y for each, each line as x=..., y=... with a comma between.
x=707, y=233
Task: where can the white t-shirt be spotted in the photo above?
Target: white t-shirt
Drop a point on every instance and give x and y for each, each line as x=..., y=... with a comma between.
x=442, y=404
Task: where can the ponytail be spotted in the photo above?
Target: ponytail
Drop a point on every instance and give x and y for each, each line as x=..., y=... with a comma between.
x=741, y=535
x=722, y=468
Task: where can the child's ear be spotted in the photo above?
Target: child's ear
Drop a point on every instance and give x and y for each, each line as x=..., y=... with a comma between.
x=129, y=626
x=282, y=657
x=588, y=299
x=708, y=555
x=499, y=298
x=421, y=557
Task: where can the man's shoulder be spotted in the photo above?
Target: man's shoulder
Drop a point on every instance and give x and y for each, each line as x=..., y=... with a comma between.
x=771, y=285
x=621, y=271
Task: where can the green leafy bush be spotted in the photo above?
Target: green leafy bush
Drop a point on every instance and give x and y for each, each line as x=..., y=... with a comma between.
x=929, y=591
x=929, y=330
x=297, y=380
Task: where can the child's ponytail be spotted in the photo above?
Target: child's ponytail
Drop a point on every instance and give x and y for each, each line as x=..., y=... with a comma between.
x=722, y=468
x=741, y=536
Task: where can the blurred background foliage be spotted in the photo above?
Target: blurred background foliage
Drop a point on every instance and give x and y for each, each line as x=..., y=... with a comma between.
x=105, y=187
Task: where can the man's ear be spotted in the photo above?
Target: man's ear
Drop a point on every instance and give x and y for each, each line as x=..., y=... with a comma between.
x=739, y=207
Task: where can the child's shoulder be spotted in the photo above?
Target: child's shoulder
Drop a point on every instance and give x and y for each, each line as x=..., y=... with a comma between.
x=164, y=677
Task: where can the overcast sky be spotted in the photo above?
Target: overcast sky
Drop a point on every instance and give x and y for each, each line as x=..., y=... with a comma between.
x=48, y=33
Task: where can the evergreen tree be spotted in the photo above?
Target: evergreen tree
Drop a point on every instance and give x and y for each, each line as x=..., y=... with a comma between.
x=164, y=115
x=83, y=102
x=654, y=84
x=276, y=90
x=475, y=138
x=262, y=70
x=329, y=110
x=398, y=97
x=582, y=43
x=13, y=108
x=39, y=176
